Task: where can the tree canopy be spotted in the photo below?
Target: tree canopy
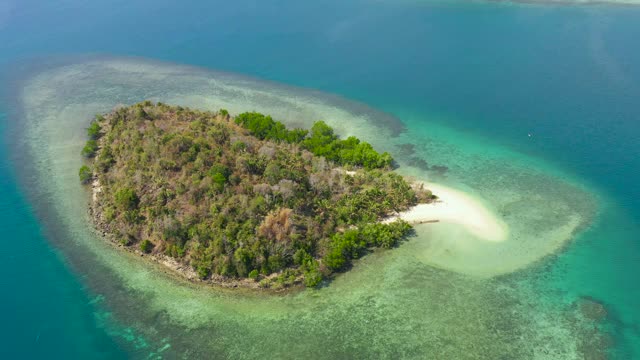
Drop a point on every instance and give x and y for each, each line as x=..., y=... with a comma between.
x=243, y=197
x=320, y=141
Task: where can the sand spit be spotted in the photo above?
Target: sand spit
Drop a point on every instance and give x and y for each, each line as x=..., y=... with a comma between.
x=457, y=207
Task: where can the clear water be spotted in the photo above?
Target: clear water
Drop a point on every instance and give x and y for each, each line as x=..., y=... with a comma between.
x=462, y=83
x=47, y=308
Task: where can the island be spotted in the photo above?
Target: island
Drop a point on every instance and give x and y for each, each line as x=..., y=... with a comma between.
x=241, y=201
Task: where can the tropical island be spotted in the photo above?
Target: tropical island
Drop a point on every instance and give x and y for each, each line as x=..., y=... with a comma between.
x=241, y=201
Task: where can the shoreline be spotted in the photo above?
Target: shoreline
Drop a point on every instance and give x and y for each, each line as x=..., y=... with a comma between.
x=550, y=211
x=184, y=272
x=110, y=214
x=387, y=279
x=102, y=229
x=451, y=206
x=459, y=208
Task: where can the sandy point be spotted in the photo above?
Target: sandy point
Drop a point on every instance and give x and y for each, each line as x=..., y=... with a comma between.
x=457, y=207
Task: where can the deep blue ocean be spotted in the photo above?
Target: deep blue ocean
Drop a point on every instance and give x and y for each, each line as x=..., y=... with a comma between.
x=568, y=75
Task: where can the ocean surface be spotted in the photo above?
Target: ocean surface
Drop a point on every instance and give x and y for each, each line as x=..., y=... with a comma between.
x=532, y=108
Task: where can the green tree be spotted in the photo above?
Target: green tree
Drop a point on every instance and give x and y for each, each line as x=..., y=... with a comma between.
x=93, y=131
x=126, y=199
x=219, y=175
x=312, y=277
x=273, y=173
x=146, y=246
x=90, y=148
x=254, y=274
x=243, y=261
x=85, y=174
x=203, y=271
x=209, y=194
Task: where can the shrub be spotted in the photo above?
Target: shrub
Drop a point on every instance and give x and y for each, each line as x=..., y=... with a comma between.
x=312, y=278
x=243, y=260
x=146, y=246
x=109, y=214
x=385, y=235
x=90, y=148
x=265, y=283
x=265, y=128
x=93, y=131
x=352, y=243
x=254, y=274
x=335, y=259
x=140, y=113
x=323, y=142
x=276, y=263
x=238, y=146
x=203, y=271
x=310, y=267
x=301, y=257
x=85, y=174
x=105, y=160
x=126, y=199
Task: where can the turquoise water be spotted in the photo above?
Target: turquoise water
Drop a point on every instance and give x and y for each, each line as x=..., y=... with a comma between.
x=48, y=308
x=467, y=82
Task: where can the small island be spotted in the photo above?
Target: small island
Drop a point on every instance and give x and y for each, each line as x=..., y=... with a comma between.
x=241, y=201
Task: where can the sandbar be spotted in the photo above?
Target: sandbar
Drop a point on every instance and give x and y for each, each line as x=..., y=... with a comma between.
x=457, y=207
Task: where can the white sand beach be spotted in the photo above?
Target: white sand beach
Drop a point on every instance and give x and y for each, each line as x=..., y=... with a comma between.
x=456, y=207
x=462, y=234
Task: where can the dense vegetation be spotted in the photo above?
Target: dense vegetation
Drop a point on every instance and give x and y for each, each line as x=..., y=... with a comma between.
x=243, y=197
x=321, y=141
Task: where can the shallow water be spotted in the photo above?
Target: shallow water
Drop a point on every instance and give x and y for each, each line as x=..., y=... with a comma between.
x=394, y=303
x=461, y=85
